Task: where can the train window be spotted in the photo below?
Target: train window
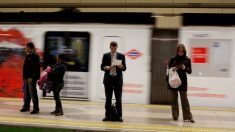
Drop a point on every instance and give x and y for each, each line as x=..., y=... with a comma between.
x=74, y=44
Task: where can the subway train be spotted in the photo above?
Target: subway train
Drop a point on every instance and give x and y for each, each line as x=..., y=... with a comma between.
x=85, y=37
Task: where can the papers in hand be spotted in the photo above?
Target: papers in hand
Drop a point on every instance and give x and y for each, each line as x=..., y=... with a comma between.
x=117, y=62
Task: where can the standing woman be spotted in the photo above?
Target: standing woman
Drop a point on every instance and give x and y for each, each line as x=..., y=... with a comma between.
x=182, y=64
x=57, y=77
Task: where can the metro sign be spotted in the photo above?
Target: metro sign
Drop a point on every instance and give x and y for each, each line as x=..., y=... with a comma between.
x=133, y=54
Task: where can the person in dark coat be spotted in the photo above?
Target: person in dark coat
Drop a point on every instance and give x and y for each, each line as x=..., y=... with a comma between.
x=31, y=73
x=182, y=64
x=56, y=76
x=113, y=80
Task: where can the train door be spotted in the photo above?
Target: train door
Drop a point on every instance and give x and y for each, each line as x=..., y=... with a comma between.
x=76, y=47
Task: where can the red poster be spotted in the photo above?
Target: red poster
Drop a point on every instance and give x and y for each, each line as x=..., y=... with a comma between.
x=199, y=55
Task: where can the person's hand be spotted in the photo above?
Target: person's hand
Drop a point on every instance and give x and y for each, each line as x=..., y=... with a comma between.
x=30, y=80
x=107, y=67
x=174, y=68
x=120, y=66
x=182, y=66
x=48, y=69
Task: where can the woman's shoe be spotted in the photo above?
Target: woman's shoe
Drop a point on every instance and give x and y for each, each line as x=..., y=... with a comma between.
x=189, y=120
x=192, y=121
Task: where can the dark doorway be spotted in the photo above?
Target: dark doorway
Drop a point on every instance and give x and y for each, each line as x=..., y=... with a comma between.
x=164, y=43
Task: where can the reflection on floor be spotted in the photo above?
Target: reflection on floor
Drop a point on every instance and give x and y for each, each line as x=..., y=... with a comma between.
x=84, y=115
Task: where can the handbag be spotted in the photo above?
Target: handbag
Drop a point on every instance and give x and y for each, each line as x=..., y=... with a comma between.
x=174, y=79
x=47, y=86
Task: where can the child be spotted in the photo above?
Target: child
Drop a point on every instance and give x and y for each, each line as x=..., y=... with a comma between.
x=43, y=78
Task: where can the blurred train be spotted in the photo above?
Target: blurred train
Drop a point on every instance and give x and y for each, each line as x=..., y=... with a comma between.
x=84, y=37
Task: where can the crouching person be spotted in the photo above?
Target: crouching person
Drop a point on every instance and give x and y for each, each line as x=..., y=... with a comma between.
x=56, y=76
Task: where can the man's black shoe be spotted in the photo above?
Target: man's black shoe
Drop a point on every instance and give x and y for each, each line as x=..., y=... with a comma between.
x=24, y=110
x=119, y=119
x=106, y=119
x=59, y=113
x=34, y=112
x=53, y=112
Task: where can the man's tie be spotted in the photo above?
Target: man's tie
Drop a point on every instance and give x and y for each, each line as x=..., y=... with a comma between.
x=113, y=69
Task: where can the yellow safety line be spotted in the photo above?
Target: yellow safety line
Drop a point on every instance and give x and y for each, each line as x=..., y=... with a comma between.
x=104, y=125
x=128, y=105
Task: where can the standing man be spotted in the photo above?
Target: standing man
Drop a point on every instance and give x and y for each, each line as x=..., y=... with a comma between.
x=113, y=63
x=31, y=73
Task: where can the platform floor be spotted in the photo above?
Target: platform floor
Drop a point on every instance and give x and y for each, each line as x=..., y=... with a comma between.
x=87, y=116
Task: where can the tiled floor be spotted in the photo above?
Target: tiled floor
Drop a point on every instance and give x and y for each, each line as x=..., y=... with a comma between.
x=84, y=115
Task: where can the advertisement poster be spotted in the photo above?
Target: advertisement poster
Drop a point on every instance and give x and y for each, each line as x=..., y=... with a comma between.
x=12, y=45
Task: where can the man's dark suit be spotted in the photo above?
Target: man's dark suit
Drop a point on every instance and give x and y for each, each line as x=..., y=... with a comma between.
x=113, y=83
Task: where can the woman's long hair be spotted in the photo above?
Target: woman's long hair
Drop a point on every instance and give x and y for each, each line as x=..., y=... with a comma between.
x=181, y=46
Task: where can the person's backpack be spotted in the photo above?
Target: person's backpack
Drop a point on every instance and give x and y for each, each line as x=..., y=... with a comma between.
x=114, y=114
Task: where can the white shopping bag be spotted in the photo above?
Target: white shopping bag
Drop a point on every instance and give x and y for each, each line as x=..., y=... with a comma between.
x=174, y=79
